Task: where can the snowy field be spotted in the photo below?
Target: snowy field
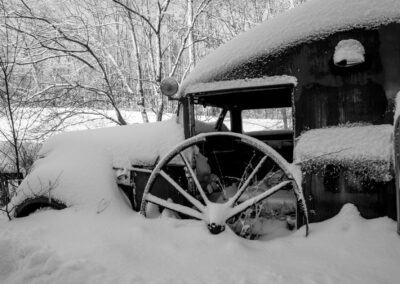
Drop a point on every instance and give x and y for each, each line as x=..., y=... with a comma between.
x=41, y=121
x=71, y=246
x=93, y=119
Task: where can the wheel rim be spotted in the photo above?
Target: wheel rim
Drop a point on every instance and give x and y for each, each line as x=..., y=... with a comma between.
x=196, y=200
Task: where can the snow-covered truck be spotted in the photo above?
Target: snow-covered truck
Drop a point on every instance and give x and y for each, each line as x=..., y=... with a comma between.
x=331, y=66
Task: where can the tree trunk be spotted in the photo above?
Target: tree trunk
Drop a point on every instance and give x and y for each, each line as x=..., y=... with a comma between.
x=192, y=51
x=139, y=86
x=284, y=118
x=160, y=110
x=12, y=124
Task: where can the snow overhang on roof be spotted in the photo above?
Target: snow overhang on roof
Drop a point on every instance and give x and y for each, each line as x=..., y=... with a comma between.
x=271, y=92
x=310, y=21
x=243, y=84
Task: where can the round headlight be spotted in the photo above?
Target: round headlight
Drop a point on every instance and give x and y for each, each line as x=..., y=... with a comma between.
x=169, y=86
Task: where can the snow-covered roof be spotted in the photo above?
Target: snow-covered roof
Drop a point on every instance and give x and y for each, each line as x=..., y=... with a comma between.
x=241, y=84
x=77, y=167
x=360, y=148
x=310, y=21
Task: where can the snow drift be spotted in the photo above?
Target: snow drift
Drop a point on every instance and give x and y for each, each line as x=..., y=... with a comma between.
x=74, y=247
x=77, y=167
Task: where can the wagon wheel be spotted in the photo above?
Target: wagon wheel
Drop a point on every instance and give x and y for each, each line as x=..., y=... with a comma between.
x=234, y=194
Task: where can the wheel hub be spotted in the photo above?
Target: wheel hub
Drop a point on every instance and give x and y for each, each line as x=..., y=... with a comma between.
x=216, y=229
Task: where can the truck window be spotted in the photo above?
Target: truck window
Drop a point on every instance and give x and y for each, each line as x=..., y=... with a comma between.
x=267, y=119
x=210, y=116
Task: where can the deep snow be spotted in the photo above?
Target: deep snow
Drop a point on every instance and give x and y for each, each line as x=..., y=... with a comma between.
x=77, y=167
x=71, y=246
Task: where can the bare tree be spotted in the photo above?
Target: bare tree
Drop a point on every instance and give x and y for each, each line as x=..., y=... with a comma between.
x=72, y=36
x=154, y=21
x=20, y=88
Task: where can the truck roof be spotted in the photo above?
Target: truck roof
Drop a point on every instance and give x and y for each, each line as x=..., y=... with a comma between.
x=308, y=22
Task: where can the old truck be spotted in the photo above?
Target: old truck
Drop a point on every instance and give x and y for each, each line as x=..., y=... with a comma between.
x=330, y=67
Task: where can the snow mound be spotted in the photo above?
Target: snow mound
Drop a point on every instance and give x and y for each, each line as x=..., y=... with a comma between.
x=365, y=149
x=312, y=20
x=130, y=144
x=76, y=168
x=74, y=247
x=349, y=212
x=349, y=52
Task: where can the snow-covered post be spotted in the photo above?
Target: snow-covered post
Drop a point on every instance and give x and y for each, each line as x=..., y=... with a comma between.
x=397, y=157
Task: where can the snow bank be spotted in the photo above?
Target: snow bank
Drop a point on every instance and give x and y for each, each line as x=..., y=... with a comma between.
x=76, y=167
x=240, y=84
x=310, y=21
x=73, y=247
x=364, y=149
x=131, y=144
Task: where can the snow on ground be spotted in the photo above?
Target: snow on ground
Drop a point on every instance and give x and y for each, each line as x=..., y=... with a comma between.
x=309, y=21
x=36, y=120
x=70, y=246
x=207, y=123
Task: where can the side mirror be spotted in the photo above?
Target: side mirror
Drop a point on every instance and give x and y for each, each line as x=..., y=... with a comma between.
x=169, y=87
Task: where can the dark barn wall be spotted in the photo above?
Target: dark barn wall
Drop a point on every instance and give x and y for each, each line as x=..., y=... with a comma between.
x=329, y=95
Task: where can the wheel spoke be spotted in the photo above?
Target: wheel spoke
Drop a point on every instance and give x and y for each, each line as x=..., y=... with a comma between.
x=236, y=197
x=173, y=206
x=190, y=198
x=246, y=204
x=196, y=181
x=249, y=164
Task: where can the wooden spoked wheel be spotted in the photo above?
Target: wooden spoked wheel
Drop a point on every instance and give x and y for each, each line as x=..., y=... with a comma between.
x=227, y=180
